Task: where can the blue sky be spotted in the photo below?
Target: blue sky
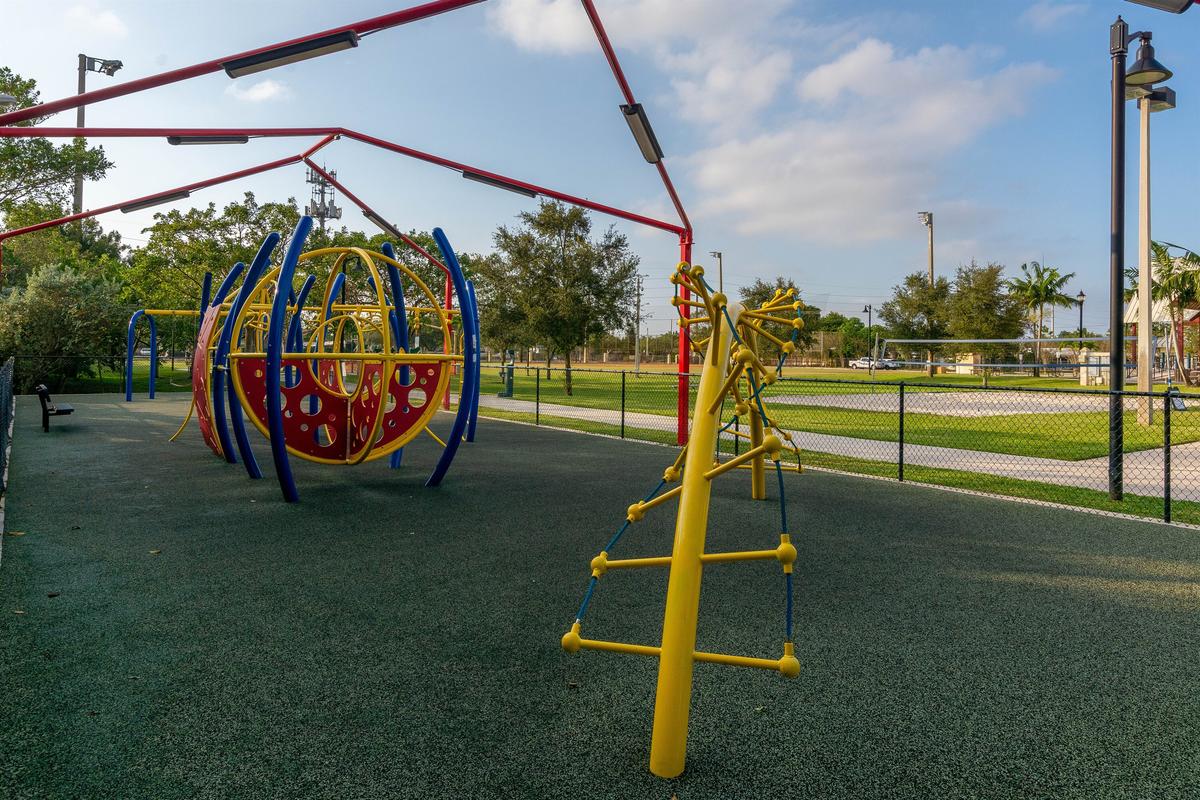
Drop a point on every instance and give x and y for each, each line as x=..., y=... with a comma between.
x=803, y=139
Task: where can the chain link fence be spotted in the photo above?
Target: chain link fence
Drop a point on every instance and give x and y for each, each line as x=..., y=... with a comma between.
x=1048, y=446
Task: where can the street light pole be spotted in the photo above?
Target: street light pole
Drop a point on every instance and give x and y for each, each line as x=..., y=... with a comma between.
x=1149, y=100
x=87, y=63
x=1118, y=49
x=1081, y=297
x=1145, y=71
x=926, y=218
x=867, y=309
x=720, y=270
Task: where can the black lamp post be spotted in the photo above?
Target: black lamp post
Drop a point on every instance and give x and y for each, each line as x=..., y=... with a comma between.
x=1144, y=72
x=1081, y=297
x=870, y=351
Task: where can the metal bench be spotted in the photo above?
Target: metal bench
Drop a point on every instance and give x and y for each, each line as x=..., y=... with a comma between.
x=49, y=408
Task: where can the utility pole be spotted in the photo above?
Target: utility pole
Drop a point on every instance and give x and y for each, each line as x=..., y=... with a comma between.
x=320, y=208
x=637, y=329
x=88, y=64
x=718, y=255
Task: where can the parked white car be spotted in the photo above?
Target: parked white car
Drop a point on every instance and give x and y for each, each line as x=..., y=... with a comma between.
x=861, y=363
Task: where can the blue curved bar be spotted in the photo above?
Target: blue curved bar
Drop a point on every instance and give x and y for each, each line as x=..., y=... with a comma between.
x=470, y=357
x=398, y=318
x=205, y=294
x=227, y=285
x=222, y=388
x=295, y=337
x=287, y=271
x=474, y=398
x=129, y=342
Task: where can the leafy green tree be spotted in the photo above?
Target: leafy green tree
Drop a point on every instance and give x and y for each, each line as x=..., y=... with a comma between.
x=84, y=246
x=565, y=287
x=981, y=307
x=62, y=324
x=35, y=169
x=1040, y=286
x=918, y=310
x=1176, y=279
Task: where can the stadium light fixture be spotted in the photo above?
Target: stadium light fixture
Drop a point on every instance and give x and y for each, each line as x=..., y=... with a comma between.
x=499, y=184
x=233, y=139
x=290, y=54
x=383, y=224
x=639, y=125
x=1174, y=6
x=154, y=200
x=7, y=101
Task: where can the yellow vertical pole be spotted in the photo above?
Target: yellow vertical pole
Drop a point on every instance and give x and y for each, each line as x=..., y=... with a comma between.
x=668, y=746
x=758, y=472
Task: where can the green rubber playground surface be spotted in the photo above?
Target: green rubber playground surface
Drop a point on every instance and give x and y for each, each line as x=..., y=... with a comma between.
x=170, y=629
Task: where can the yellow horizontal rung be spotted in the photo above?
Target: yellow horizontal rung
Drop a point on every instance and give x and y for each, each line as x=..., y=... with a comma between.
x=737, y=661
x=637, y=511
x=620, y=647
x=167, y=312
x=633, y=563
x=771, y=444
x=787, y=665
x=742, y=555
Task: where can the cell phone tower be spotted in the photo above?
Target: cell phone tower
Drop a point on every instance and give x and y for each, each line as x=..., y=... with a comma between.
x=321, y=207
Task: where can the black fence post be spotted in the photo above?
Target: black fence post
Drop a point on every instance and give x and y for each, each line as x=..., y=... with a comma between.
x=1166, y=456
x=537, y=398
x=622, y=404
x=900, y=452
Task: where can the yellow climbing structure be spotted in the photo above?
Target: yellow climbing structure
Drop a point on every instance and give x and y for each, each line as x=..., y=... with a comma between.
x=732, y=370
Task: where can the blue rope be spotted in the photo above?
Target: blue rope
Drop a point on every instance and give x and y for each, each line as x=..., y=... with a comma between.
x=617, y=536
x=782, y=501
x=587, y=598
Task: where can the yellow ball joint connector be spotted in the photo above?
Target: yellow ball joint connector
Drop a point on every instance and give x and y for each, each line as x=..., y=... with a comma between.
x=733, y=370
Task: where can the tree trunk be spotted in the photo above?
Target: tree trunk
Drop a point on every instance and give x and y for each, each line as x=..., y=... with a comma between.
x=549, y=358
x=1177, y=332
x=929, y=366
x=567, y=372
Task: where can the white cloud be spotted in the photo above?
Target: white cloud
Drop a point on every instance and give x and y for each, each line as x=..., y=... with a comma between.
x=859, y=157
x=848, y=155
x=261, y=92
x=1044, y=15
x=95, y=20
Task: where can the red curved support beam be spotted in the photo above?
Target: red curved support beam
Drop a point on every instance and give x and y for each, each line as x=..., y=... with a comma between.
x=361, y=28
x=334, y=133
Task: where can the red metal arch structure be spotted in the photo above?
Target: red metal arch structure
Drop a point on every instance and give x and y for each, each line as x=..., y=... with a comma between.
x=329, y=41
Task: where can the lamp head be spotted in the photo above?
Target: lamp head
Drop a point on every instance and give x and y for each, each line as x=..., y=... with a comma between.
x=1146, y=69
x=1081, y=297
x=926, y=218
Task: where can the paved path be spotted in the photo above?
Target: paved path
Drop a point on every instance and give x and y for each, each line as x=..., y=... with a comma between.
x=1143, y=469
x=979, y=403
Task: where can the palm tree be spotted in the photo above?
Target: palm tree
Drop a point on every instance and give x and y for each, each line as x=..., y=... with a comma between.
x=1176, y=279
x=1037, y=288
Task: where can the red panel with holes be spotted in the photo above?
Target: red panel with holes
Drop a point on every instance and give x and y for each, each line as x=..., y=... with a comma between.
x=341, y=427
x=200, y=386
